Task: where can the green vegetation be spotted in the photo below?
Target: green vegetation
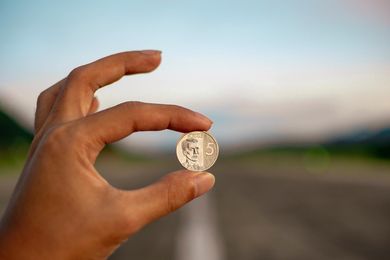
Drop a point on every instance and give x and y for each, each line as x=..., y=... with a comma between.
x=14, y=142
x=352, y=151
x=11, y=133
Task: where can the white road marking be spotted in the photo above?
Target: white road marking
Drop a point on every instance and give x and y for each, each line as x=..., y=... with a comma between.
x=198, y=236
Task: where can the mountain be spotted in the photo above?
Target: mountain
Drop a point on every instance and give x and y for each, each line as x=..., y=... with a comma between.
x=369, y=142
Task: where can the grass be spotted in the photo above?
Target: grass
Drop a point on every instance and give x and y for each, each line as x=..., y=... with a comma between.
x=12, y=160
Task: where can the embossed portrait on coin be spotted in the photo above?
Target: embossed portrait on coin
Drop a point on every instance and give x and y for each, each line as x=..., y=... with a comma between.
x=191, y=150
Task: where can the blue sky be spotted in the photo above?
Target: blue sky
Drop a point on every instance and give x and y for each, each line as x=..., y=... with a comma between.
x=260, y=69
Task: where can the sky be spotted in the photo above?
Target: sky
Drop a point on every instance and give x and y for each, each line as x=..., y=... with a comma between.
x=262, y=70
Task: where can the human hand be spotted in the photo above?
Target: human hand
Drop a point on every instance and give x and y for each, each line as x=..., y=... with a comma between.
x=62, y=208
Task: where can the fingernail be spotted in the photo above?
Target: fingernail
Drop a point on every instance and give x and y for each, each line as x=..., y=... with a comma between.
x=204, y=182
x=150, y=52
x=203, y=117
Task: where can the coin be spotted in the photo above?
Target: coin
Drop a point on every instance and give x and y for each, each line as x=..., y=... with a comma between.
x=197, y=151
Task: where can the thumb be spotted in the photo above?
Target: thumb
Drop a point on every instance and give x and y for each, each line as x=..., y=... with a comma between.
x=165, y=196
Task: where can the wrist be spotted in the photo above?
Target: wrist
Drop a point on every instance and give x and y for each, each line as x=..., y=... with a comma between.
x=17, y=242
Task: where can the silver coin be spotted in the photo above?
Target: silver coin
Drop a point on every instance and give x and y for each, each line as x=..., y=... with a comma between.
x=197, y=151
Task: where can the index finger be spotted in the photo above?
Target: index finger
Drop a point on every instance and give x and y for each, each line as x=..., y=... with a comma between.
x=115, y=123
x=75, y=99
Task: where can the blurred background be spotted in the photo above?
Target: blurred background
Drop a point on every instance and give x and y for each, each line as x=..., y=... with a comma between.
x=299, y=94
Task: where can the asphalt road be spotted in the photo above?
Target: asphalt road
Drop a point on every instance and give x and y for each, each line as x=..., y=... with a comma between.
x=280, y=214
x=270, y=209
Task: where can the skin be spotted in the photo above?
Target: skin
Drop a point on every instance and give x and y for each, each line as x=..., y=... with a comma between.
x=61, y=207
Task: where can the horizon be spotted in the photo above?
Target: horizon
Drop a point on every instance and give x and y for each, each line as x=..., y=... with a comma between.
x=357, y=133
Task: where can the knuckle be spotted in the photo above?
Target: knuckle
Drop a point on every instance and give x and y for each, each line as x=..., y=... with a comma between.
x=78, y=74
x=42, y=97
x=130, y=105
x=177, y=108
x=58, y=138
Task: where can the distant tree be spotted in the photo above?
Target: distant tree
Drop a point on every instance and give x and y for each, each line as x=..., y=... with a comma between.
x=11, y=133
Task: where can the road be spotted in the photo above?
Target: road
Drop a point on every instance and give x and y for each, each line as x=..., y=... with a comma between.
x=264, y=209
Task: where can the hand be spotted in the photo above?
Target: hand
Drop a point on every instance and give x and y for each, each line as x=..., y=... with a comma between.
x=61, y=207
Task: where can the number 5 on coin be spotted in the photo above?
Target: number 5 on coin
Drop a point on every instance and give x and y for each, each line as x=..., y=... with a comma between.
x=210, y=148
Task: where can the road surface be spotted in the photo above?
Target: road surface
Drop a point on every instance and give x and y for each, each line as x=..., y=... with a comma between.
x=263, y=209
